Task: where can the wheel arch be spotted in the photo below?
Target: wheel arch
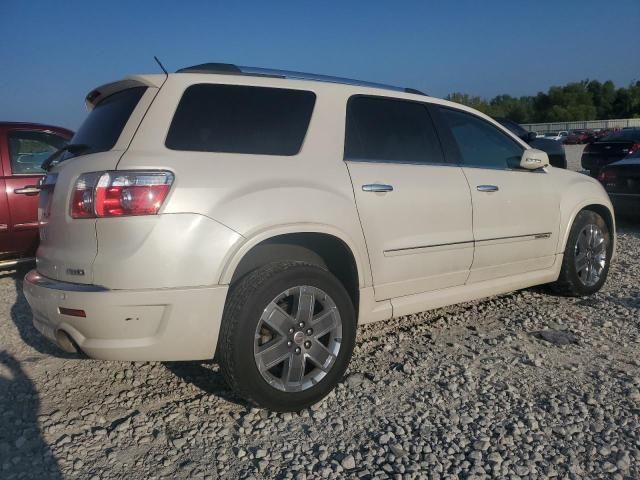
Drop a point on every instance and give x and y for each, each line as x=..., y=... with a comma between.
x=601, y=208
x=323, y=246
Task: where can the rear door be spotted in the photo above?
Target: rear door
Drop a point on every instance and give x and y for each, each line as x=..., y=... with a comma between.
x=5, y=220
x=414, y=207
x=515, y=211
x=26, y=149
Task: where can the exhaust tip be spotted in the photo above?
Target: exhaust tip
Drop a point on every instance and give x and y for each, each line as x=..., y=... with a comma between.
x=65, y=342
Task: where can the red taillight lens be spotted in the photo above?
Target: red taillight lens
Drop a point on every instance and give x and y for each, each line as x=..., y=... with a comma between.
x=635, y=147
x=116, y=194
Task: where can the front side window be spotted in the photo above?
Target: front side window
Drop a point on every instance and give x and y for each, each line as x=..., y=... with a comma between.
x=387, y=130
x=241, y=119
x=480, y=143
x=28, y=149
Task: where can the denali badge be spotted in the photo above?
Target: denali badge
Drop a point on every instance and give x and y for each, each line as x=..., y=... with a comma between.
x=75, y=271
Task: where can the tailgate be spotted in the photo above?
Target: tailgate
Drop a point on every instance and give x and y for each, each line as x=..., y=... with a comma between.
x=68, y=246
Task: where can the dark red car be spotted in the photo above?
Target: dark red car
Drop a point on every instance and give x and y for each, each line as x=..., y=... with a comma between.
x=579, y=136
x=23, y=148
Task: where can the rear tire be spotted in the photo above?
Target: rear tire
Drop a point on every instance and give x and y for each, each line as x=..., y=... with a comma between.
x=587, y=256
x=266, y=355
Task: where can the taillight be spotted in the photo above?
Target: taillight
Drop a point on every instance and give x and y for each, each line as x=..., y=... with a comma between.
x=119, y=193
x=635, y=147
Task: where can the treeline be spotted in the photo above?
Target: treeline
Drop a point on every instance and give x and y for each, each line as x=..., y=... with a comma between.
x=585, y=100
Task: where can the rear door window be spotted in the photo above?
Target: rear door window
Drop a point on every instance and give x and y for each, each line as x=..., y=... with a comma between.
x=241, y=119
x=104, y=125
x=388, y=130
x=480, y=143
x=28, y=149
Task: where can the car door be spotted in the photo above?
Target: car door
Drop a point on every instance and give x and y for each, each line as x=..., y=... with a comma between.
x=24, y=152
x=5, y=237
x=515, y=211
x=414, y=207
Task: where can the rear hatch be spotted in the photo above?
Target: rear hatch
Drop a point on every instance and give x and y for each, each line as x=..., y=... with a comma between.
x=610, y=149
x=69, y=246
x=622, y=177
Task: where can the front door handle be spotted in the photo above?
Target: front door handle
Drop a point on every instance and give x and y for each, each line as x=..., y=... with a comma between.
x=28, y=190
x=377, y=187
x=487, y=188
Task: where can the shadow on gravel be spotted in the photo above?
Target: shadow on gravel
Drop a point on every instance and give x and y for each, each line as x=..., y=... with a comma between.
x=23, y=451
x=21, y=316
x=208, y=380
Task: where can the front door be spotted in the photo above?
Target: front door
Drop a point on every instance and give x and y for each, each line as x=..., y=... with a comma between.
x=24, y=152
x=515, y=211
x=415, y=209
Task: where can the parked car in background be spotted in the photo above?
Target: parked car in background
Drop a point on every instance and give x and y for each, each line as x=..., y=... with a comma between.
x=259, y=216
x=577, y=137
x=557, y=135
x=554, y=149
x=23, y=148
x=621, y=180
x=610, y=149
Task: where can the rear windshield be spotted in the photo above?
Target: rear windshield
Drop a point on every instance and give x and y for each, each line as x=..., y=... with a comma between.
x=102, y=128
x=241, y=119
x=633, y=134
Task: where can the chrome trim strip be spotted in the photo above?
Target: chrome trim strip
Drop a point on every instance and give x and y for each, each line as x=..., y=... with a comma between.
x=11, y=263
x=34, y=278
x=25, y=226
x=427, y=248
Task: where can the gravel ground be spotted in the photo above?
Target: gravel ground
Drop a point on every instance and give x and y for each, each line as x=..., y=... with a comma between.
x=524, y=385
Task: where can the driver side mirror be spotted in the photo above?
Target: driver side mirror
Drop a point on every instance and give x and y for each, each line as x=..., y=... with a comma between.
x=530, y=136
x=533, y=159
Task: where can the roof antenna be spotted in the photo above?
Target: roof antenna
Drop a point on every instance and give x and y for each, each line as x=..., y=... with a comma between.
x=161, y=66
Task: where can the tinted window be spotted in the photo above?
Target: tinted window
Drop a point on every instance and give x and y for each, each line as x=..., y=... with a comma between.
x=102, y=128
x=480, y=143
x=632, y=134
x=238, y=119
x=380, y=129
x=27, y=150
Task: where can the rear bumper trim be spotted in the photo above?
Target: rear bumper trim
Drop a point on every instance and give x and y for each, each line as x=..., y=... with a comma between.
x=35, y=278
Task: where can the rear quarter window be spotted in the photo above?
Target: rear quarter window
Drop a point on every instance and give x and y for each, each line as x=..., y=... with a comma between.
x=241, y=119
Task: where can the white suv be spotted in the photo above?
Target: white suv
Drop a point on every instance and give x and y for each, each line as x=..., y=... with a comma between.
x=259, y=216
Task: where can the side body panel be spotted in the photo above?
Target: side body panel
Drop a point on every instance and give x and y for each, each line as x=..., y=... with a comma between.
x=257, y=196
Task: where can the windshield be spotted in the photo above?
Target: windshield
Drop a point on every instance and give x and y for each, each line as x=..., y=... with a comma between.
x=102, y=128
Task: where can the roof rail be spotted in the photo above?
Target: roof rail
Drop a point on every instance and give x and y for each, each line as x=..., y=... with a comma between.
x=230, y=69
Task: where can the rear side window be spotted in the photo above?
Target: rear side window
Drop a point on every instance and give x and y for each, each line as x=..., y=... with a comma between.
x=28, y=149
x=386, y=130
x=480, y=143
x=241, y=119
x=102, y=128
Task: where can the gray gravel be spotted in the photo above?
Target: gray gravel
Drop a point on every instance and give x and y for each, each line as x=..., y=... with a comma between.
x=525, y=385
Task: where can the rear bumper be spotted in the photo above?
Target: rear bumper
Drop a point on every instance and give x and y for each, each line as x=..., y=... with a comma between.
x=162, y=324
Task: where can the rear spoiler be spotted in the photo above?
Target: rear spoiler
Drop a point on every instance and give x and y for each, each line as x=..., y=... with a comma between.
x=103, y=91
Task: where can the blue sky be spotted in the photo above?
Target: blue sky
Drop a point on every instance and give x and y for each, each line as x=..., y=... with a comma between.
x=52, y=53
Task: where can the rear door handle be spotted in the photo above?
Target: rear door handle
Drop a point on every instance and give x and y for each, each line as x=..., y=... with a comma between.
x=28, y=190
x=487, y=188
x=377, y=187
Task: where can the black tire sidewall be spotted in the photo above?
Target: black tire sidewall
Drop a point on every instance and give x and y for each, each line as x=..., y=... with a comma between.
x=248, y=378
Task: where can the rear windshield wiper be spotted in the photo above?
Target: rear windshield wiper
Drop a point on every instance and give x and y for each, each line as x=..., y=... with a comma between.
x=74, y=148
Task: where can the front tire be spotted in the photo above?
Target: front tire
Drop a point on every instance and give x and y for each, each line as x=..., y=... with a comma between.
x=287, y=335
x=587, y=256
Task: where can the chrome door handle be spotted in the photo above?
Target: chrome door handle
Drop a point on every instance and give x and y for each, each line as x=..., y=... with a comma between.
x=487, y=188
x=377, y=187
x=28, y=190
